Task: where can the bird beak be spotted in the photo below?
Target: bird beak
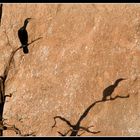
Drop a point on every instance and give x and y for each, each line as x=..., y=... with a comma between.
x=29, y=18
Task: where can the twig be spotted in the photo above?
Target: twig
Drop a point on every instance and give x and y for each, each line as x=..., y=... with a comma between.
x=33, y=41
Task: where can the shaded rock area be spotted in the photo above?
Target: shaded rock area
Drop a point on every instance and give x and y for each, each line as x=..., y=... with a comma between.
x=84, y=49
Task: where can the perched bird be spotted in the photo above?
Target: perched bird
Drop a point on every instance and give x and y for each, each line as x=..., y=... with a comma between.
x=109, y=90
x=23, y=36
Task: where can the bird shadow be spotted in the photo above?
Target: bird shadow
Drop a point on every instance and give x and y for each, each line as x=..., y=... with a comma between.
x=108, y=91
x=76, y=128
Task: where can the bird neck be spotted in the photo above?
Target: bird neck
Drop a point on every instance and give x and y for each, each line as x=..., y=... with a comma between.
x=116, y=83
x=25, y=24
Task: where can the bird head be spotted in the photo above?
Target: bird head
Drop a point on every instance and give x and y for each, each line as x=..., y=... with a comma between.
x=119, y=80
x=27, y=20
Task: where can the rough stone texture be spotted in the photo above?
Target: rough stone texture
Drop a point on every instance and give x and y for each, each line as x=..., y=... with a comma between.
x=84, y=49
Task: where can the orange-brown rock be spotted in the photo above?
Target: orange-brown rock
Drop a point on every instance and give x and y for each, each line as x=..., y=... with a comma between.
x=84, y=49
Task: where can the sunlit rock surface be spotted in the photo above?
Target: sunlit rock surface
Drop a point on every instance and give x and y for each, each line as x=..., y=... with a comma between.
x=84, y=49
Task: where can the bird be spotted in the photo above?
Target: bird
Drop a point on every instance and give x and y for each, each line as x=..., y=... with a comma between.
x=23, y=36
x=110, y=89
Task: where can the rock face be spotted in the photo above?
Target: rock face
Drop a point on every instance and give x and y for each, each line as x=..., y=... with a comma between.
x=84, y=49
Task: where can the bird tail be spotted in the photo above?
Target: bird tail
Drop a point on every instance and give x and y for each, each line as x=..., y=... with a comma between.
x=25, y=49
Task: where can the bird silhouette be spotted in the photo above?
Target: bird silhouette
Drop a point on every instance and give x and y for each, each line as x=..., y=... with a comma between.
x=110, y=89
x=23, y=36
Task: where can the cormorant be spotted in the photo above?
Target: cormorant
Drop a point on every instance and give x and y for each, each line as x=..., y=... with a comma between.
x=109, y=90
x=23, y=36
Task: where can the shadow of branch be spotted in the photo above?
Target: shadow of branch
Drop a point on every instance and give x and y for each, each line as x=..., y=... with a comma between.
x=16, y=130
x=76, y=128
x=63, y=119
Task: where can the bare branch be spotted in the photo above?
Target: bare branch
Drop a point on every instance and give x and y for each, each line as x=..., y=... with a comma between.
x=4, y=126
x=10, y=94
x=7, y=68
x=34, y=40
